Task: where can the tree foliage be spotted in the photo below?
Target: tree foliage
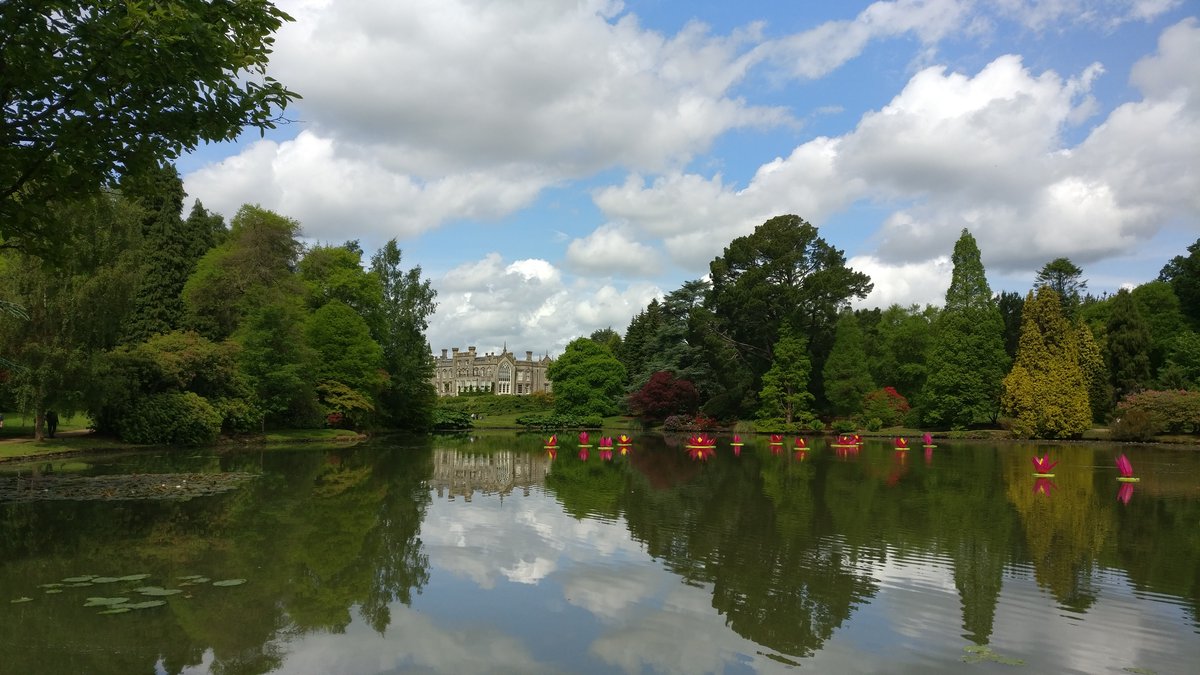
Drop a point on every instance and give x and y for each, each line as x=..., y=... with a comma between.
x=784, y=395
x=966, y=358
x=588, y=379
x=1064, y=278
x=93, y=90
x=847, y=378
x=398, y=325
x=664, y=395
x=782, y=272
x=1046, y=393
x=1127, y=349
x=1183, y=273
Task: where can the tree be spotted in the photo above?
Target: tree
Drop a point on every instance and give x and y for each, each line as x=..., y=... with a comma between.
x=607, y=338
x=94, y=90
x=170, y=250
x=966, y=358
x=782, y=272
x=784, y=394
x=1127, y=350
x=587, y=379
x=1046, y=393
x=1159, y=306
x=71, y=310
x=1010, y=304
x=399, y=325
x=1063, y=277
x=664, y=395
x=254, y=265
x=1183, y=273
x=335, y=273
x=638, y=346
x=278, y=362
x=1095, y=373
x=847, y=379
x=344, y=350
x=898, y=346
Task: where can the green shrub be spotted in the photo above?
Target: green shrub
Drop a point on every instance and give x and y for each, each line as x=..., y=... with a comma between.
x=874, y=424
x=177, y=418
x=1172, y=412
x=450, y=419
x=844, y=426
x=238, y=415
x=1133, y=425
x=816, y=426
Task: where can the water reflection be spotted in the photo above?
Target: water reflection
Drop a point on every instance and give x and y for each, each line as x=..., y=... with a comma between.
x=420, y=555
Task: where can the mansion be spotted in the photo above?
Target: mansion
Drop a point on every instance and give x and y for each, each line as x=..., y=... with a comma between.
x=501, y=373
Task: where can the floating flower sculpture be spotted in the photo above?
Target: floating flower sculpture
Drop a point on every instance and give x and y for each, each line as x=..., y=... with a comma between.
x=901, y=443
x=843, y=441
x=927, y=440
x=1126, y=469
x=606, y=448
x=1044, y=486
x=1042, y=466
x=551, y=442
x=737, y=445
x=624, y=440
x=776, y=439
x=701, y=441
x=858, y=439
x=1125, y=493
x=801, y=444
x=583, y=439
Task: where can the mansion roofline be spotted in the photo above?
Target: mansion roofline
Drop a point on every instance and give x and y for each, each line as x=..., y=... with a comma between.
x=468, y=371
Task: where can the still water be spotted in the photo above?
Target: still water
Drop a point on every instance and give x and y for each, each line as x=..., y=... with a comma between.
x=470, y=554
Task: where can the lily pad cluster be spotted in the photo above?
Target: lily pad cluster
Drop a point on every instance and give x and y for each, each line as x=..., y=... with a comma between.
x=121, y=604
x=158, y=486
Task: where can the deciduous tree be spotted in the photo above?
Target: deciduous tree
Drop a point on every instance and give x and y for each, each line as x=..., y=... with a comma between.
x=93, y=90
x=587, y=378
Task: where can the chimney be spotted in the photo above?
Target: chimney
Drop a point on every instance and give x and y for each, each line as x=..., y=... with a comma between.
x=455, y=350
x=528, y=355
x=443, y=353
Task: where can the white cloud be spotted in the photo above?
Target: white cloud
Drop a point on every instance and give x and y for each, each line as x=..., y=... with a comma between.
x=952, y=150
x=526, y=304
x=921, y=283
x=608, y=251
x=1040, y=15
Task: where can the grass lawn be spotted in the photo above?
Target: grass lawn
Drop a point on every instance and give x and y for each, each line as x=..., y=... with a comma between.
x=20, y=425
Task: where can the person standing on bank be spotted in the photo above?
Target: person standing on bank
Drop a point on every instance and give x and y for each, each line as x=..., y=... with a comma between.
x=51, y=422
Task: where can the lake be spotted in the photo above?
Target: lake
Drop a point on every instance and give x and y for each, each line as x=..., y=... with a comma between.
x=481, y=553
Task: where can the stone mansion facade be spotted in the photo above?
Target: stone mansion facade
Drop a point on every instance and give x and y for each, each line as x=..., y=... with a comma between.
x=501, y=373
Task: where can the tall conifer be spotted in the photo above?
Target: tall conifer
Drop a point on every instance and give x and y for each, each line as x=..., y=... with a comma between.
x=966, y=359
x=1046, y=393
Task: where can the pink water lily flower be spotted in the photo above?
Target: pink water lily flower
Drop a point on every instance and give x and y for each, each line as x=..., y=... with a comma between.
x=1043, y=464
x=1125, y=467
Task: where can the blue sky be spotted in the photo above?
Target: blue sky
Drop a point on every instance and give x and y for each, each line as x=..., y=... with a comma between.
x=554, y=165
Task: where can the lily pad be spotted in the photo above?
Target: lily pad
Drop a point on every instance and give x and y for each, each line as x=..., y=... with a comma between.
x=82, y=577
x=146, y=605
x=133, y=577
x=105, y=580
x=229, y=582
x=1139, y=671
x=190, y=577
x=54, y=590
x=156, y=590
x=115, y=610
x=80, y=584
x=979, y=654
x=55, y=584
x=21, y=599
x=104, y=602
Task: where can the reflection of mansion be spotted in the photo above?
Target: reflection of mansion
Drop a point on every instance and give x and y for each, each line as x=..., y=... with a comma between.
x=457, y=473
x=501, y=373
